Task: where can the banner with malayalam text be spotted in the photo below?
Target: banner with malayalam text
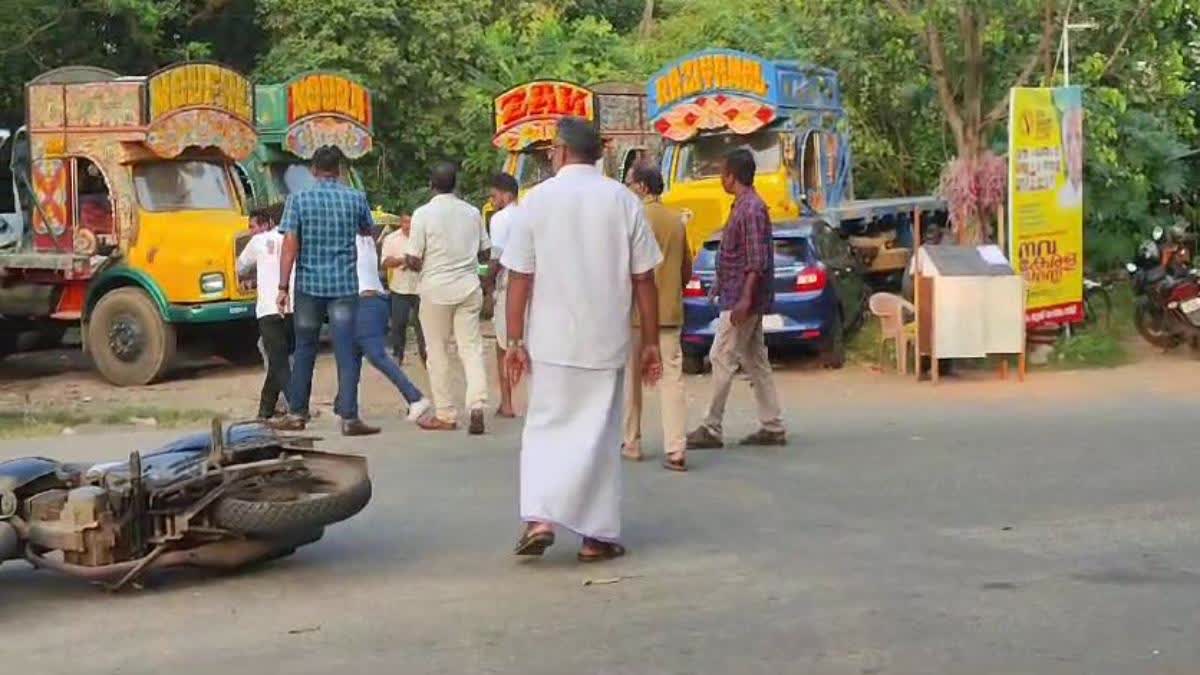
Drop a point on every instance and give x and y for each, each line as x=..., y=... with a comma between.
x=1045, y=200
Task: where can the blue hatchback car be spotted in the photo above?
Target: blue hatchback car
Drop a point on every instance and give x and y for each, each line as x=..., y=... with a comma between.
x=819, y=295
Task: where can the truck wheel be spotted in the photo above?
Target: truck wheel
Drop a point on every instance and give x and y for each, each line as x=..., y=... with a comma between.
x=128, y=339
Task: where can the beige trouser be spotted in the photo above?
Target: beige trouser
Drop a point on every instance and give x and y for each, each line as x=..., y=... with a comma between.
x=672, y=400
x=743, y=345
x=460, y=322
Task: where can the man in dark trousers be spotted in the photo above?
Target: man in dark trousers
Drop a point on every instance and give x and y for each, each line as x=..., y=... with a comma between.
x=320, y=226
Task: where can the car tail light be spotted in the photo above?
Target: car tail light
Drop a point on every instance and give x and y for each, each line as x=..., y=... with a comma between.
x=694, y=289
x=811, y=278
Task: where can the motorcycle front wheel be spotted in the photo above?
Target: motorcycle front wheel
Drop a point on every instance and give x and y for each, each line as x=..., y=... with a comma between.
x=1151, y=324
x=329, y=491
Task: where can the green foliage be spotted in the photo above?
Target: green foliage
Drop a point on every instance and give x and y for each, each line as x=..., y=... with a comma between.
x=435, y=66
x=1093, y=350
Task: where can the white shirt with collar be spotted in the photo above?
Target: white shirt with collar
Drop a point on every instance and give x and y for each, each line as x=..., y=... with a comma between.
x=448, y=235
x=501, y=226
x=367, y=265
x=262, y=255
x=583, y=236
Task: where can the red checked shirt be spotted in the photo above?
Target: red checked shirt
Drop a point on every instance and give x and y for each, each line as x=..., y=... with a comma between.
x=746, y=247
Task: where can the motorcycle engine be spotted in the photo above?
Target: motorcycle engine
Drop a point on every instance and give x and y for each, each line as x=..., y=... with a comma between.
x=79, y=522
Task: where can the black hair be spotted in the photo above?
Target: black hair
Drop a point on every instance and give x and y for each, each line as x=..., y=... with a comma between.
x=328, y=159
x=739, y=163
x=444, y=177
x=271, y=214
x=650, y=176
x=580, y=138
x=505, y=183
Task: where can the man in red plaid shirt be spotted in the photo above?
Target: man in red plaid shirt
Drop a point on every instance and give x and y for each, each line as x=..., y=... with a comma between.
x=745, y=272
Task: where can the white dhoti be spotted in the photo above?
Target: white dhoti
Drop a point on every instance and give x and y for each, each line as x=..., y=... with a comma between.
x=571, y=450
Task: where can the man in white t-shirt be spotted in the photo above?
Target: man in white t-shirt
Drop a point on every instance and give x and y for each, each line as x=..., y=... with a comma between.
x=260, y=259
x=446, y=245
x=504, y=198
x=402, y=282
x=579, y=338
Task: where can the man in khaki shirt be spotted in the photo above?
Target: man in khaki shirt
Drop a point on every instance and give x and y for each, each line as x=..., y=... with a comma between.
x=446, y=244
x=670, y=276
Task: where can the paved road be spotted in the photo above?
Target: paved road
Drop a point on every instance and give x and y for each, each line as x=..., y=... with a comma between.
x=984, y=528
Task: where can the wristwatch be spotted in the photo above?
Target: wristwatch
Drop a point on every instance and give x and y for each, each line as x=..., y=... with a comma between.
x=283, y=289
x=516, y=342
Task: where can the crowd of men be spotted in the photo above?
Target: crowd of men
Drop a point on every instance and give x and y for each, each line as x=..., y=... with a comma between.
x=588, y=277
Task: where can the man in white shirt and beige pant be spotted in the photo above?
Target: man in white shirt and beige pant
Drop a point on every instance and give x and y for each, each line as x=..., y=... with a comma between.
x=446, y=244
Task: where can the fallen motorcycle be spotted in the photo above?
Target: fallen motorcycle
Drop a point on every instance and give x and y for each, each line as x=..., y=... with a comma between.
x=217, y=500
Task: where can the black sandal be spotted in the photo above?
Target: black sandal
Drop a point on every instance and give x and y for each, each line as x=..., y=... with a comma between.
x=534, y=543
x=679, y=465
x=607, y=551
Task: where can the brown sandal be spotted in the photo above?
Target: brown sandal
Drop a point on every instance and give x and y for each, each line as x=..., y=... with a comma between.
x=534, y=543
x=607, y=551
x=679, y=465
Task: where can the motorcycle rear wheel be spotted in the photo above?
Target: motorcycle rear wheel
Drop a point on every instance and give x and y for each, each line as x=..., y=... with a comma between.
x=1151, y=324
x=283, y=504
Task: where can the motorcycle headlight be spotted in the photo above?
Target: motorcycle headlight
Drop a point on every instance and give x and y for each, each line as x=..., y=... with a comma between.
x=213, y=282
x=1131, y=268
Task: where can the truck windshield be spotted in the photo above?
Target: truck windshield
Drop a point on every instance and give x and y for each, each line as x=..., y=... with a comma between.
x=535, y=168
x=703, y=157
x=290, y=178
x=182, y=185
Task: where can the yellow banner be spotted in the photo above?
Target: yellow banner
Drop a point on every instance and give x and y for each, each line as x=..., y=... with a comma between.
x=1045, y=200
x=201, y=85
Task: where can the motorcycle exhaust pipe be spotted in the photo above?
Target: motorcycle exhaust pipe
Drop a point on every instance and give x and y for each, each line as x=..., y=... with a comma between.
x=10, y=543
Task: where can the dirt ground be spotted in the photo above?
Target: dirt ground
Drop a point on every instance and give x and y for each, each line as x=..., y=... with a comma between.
x=62, y=380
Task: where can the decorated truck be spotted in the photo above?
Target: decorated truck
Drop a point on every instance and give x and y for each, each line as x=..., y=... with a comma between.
x=297, y=117
x=526, y=115
x=127, y=214
x=790, y=117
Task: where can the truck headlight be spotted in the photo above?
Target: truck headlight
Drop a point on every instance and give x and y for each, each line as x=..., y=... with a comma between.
x=213, y=282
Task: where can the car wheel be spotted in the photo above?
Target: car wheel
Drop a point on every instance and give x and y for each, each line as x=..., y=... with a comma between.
x=833, y=349
x=693, y=364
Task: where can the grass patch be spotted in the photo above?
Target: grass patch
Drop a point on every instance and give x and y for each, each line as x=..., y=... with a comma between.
x=15, y=424
x=1089, y=350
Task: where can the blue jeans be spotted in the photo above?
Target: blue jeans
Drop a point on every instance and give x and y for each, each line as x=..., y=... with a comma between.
x=309, y=312
x=371, y=342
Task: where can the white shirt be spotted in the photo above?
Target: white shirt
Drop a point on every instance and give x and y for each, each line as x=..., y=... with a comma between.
x=399, y=280
x=582, y=236
x=501, y=226
x=448, y=235
x=262, y=255
x=367, y=265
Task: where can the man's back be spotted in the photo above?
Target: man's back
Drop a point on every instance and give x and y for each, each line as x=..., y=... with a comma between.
x=582, y=235
x=671, y=235
x=447, y=233
x=326, y=217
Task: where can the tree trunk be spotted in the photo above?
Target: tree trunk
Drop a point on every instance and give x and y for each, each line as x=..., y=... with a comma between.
x=647, y=23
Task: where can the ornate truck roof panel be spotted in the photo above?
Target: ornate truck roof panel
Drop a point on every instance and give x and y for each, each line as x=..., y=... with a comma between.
x=726, y=89
x=527, y=113
x=315, y=109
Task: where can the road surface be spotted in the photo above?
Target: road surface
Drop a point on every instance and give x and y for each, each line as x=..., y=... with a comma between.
x=980, y=527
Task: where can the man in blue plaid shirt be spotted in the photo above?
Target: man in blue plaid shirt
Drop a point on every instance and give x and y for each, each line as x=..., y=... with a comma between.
x=319, y=227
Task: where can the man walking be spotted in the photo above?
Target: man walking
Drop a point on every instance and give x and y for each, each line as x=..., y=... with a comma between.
x=745, y=272
x=402, y=282
x=579, y=309
x=371, y=331
x=320, y=225
x=504, y=198
x=671, y=274
x=261, y=259
x=446, y=245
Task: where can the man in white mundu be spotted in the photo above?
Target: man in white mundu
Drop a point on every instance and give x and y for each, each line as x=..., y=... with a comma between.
x=578, y=341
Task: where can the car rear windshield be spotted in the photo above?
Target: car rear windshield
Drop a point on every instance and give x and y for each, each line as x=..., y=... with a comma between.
x=789, y=252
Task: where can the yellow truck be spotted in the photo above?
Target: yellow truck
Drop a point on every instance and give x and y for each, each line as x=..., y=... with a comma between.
x=791, y=118
x=128, y=215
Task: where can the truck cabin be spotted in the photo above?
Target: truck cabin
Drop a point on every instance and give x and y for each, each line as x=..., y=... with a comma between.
x=788, y=115
x=525, y=119
x=296, y=118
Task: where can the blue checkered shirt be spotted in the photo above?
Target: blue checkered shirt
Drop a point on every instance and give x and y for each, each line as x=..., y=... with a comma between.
x=327, y=217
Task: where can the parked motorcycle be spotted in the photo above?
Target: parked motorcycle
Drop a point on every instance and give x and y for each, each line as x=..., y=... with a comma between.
x=219, y=500
x=1167, y=291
